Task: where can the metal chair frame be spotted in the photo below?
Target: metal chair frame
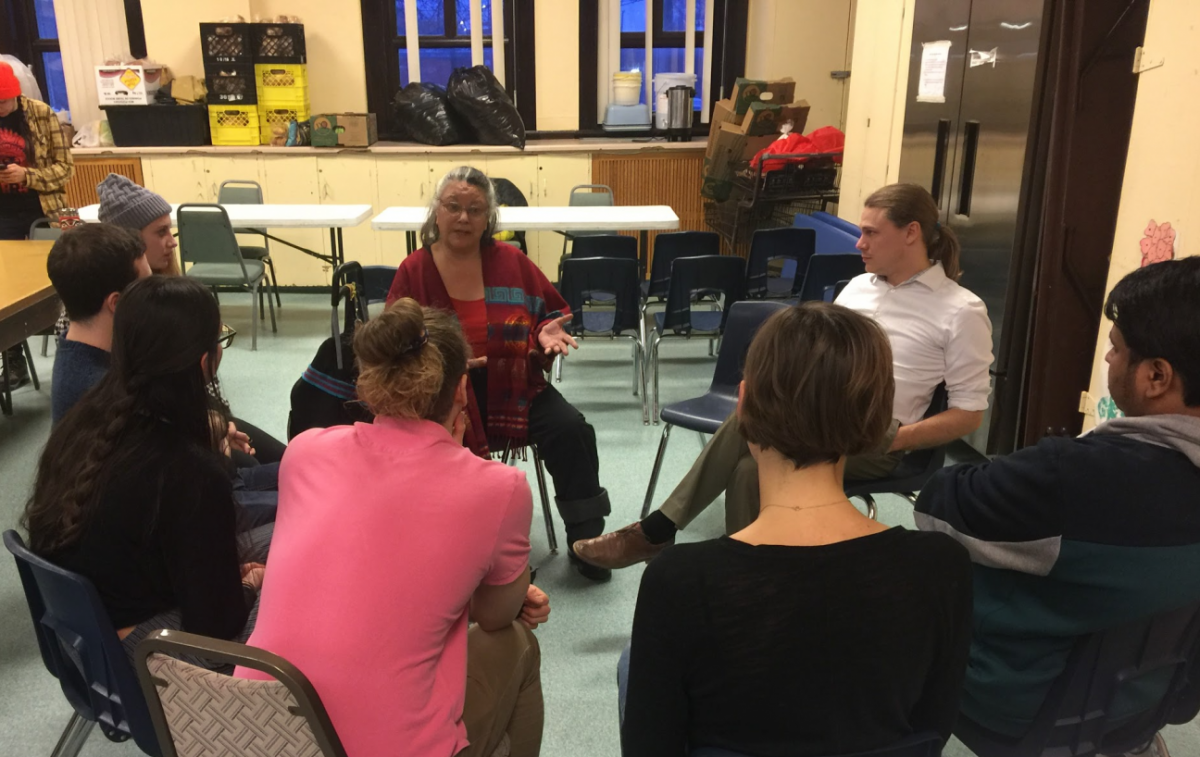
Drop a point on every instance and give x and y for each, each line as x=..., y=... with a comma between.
x=245, y=184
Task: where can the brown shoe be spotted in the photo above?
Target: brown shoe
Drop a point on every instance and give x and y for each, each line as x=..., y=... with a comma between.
x=620, y=549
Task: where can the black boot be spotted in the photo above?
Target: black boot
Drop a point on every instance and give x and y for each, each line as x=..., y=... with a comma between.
x=17, y=368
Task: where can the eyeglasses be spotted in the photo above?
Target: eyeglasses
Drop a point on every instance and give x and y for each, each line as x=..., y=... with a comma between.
x=453, y=208
x=225, y=341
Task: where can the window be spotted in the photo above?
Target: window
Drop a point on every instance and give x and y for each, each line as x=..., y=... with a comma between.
x=444, y=39
x=32, y=36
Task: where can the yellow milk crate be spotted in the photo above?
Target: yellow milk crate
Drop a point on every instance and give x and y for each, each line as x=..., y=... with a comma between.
x=274, y=75
x=234, y=125
x=293, y=98
x=269, y=118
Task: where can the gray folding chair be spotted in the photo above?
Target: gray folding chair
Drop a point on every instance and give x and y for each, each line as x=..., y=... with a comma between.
x=583, y=195
x=207, y=242
x=43, y=230
x=244, y=192
x=199, y=712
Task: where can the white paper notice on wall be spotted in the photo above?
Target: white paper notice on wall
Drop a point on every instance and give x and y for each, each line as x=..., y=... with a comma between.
x=935, y=56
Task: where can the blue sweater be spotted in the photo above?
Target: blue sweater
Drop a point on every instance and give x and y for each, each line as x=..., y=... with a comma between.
x=1068, y=537
x=77, y=368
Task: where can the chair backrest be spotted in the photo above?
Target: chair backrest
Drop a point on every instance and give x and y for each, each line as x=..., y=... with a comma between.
x=695, y=277
x=42, y=230
x=350, y=285
x=838, y=223
x=583, y=194
x=200, y=713
x=927, y=744
x=378, y=280
x=239, y=192
x=583, y=277
x=832, y=292
x=830, y=239
x=606, y=246
x=205, y=236
x=924, y=463
x=670, y=246
x=80, y=648
x=827, y=270
x=740, y=327
x=509, y=194
x=790, y=243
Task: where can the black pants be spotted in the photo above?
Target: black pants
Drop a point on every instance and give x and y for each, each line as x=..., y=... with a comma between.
x=567, y=445
x=267, y=449
x=15, y=225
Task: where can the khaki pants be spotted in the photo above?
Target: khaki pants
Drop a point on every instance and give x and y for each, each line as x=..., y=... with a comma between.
x=504, y=692
x=725, y=465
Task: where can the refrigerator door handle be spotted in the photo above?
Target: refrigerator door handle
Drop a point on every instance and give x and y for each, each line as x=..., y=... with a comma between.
x=939, y=158
x=967, y=184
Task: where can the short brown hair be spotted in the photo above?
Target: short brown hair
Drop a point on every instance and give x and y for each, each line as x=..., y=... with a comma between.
x=410, y=360
x=818, y=384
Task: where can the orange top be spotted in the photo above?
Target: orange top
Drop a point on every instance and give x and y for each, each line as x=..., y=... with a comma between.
x=472, y=316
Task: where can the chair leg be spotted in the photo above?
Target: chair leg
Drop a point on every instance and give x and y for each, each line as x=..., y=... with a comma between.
x=872, y=510
x=637, y=368
x=274, y=281
x=5, y=388
x=45, y=345
x=658, y=460
x=262, y=309
x=654, y=367
x=551, y=538
x=74, y=736
x=253, y=318
x=32, y=368
x=271, y=307
x=558, y=361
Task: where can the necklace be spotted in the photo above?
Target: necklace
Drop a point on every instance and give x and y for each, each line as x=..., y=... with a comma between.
x=798, y=508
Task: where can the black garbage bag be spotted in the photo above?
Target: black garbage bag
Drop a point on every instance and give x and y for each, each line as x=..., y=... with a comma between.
x=478, y=97
x=424, y=115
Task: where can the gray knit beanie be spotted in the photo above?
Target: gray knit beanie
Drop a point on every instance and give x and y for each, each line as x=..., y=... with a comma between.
x=123, y=203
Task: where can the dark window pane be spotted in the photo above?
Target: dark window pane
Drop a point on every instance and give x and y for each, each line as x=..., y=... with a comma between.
x=56, y=83
x=633, y=16
x=667, y=60
x=47, y=26
x=675, y=15
x=438, y=63
x=464, y=17
x=431, y=16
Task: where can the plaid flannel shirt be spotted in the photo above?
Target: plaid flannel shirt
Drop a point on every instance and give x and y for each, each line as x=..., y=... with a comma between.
x=53, y=165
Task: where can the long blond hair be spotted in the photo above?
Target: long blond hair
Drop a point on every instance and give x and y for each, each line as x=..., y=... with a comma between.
x=906, y=203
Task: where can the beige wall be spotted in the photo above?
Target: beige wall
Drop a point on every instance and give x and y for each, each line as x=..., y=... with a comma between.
x=173, y=34
x=556, y=62
x=1162, y=171
x=875, y=112
x=803, y=39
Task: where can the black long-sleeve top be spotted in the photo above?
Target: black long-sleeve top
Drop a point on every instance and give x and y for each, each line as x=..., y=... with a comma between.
x=163, y=535
x=772, y=650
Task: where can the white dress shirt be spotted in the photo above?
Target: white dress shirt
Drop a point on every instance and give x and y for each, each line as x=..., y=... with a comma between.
x=938, y=331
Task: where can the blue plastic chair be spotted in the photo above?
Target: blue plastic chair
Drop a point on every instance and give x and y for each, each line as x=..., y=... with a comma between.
x=80, y=648
x=670, y=246
x=830, y=239
x=825, y=271
x=838, y=223
x=790, y=244
x=708, y=411
x=606, y=246
x=914, y=470
x=927, y=744
x=1076, y=719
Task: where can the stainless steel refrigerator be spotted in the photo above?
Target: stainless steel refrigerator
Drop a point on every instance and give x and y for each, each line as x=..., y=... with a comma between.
x=971, y=89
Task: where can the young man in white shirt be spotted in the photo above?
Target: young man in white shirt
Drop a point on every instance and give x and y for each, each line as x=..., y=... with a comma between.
x=939, y=333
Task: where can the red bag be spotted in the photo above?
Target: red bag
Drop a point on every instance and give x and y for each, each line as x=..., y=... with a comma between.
x=827, y=139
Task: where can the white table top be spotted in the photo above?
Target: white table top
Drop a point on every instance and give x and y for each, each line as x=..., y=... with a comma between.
x=275, y=216
x=550, y=218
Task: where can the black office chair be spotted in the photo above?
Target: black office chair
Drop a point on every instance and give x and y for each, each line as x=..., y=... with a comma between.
x=788, y=243
x=1077, y=718
x=80, y=648
x=708, y=411
x=914, y=470
x=584, y=279
x=826, y=270
x=927, y=744
x=716, y=277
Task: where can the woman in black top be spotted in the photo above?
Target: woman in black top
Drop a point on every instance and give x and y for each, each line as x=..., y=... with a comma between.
x=815, y=630
x=130, y=490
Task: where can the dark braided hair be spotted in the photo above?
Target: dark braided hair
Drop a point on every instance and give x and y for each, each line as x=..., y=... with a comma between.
x=164, y=326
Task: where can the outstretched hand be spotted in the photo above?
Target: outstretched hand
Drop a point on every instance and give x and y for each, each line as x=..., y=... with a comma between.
x=554, y=339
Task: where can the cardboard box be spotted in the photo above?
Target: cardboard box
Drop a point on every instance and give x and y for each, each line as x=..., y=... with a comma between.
x=767, y=118
x=728, y=149
x=723, y=113
x=344, y=130
x=127, y=85
x=747, y=91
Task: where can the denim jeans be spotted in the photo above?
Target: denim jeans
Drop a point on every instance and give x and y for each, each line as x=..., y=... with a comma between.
x=256, y=490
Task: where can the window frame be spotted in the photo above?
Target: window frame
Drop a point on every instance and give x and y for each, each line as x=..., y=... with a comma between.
x=382, y=48
x=20, y=37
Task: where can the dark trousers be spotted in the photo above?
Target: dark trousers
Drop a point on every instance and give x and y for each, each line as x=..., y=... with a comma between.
x=567, y=445
x=267, y=449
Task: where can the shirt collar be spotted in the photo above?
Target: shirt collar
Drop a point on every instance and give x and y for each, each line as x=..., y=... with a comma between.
x=932, y=278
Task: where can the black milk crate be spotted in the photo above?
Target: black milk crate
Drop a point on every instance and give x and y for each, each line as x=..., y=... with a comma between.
x=234, y=85
x=227, y=44
x=279, y=43
x=814, y=175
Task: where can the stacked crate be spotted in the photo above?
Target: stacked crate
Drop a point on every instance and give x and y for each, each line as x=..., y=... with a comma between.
x=228, y=51
x=280, y=77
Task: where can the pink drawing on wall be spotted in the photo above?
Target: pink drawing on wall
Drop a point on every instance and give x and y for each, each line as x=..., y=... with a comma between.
x=1158, y=243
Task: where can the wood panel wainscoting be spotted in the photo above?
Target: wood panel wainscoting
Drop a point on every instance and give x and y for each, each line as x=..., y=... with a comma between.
x=669, y=179
x=81, y=189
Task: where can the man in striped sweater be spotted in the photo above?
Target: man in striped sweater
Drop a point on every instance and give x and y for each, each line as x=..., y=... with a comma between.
x=1074, y=536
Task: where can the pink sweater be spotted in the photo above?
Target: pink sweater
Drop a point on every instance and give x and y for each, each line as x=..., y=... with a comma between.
x=384, y=532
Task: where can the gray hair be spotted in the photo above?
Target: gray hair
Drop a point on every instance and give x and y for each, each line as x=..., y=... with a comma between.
x=477, y=179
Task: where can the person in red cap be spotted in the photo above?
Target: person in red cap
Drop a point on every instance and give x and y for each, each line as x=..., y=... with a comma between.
x=35, y=165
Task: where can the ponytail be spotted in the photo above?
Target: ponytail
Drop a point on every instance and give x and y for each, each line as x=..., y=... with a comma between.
x=945, y=249
x=910, y=203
